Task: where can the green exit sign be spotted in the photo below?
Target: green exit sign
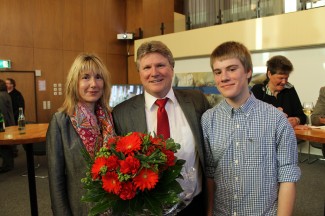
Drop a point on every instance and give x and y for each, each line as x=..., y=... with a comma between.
x=5, y=64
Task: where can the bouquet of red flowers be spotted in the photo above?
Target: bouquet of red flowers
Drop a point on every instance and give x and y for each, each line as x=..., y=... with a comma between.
x=134, y=175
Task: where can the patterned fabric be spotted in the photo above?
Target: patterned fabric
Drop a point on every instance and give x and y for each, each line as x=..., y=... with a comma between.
x=250, y=150
x=94, y=130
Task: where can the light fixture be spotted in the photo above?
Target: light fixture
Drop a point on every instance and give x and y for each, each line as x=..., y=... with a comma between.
x=125, y=36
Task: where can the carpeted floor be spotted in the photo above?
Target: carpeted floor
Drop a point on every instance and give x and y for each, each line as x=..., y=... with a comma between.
x=14, y=194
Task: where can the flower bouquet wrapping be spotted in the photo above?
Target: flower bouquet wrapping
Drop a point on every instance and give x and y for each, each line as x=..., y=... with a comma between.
x=133, y=175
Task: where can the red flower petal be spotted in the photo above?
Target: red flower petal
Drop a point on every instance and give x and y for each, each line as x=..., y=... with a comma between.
x=128, y=191
x=129, y=144
x=146, y=179
x=98, y=164
x=111, y=183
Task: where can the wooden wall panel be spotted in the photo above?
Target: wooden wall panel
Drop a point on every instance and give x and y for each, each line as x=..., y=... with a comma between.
x=167, y=15
x=51, y=64
x=49, y=34
x=48, y=19
x=73, y=25
x=15, y=23
x=152, y=21
x=95, y=24
x=133, y=76
x=134, y=20
x=22, y=58
x=116, y=24
x=117, y=66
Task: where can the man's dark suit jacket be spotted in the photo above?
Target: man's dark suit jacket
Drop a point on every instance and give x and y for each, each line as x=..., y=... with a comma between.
x=130, y=115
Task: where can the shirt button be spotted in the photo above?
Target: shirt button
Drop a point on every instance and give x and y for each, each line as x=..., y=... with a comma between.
x=237, y=144
x=235, y=213
x=236, y=178
x=237, y=126
x=236, y=161
x=235, y=196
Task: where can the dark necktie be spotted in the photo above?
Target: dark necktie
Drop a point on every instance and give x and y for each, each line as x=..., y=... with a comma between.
x=162, y=118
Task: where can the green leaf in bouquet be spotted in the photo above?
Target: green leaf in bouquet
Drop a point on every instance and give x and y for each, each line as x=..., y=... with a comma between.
x=99, y=208
x=153, y=205
x=172, y=172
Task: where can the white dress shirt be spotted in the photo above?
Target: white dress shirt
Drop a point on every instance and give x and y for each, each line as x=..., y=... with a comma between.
x=181, y=132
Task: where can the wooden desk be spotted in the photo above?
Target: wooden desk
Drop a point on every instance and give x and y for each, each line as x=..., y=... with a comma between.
x=34, y=133
x=313, y=135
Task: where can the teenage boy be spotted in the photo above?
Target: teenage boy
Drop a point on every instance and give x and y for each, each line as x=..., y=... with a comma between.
x=251, y=148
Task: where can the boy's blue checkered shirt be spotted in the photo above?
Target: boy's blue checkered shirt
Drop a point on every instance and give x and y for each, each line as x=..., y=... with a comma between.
x=249, y=151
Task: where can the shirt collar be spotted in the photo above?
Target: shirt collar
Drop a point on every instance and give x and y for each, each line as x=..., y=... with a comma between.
x=245, y=108
x=150, y=100
x=269, y=92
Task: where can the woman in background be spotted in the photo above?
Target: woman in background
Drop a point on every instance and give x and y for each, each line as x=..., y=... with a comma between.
x=276, y=90
x=83, y=122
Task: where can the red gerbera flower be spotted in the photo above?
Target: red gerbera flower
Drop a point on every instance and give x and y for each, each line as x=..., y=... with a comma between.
x=112, y=162
x=146, y=179
x=98, y=164
x=111, y=184
x=128, y=191
x=129, y=144
x=129, y=165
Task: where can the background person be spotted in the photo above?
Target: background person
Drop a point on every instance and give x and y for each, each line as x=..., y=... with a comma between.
x=83, y=121
x=155, y=64
x=318, y=116
x=16, y=97
x=17, y=100
x=251, y=148
x=276, y=90
x=6, y=151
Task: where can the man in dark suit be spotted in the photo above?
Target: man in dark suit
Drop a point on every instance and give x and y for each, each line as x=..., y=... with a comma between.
x=184, y=108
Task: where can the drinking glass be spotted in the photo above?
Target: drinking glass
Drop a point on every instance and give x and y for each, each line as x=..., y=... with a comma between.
x=308, y=108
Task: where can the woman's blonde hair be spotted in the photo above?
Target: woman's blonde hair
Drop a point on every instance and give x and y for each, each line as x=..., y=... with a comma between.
x=85, y=62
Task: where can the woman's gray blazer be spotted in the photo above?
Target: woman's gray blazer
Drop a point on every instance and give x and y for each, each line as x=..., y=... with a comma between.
x=66, y=167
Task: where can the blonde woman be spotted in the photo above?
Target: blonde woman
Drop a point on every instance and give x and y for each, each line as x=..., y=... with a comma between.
x=83, y=121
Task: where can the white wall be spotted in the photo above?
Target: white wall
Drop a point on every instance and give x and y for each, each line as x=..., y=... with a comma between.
x=308, y=75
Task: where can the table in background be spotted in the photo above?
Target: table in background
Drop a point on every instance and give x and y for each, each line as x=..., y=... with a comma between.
x=35, y=133
x=311, y=135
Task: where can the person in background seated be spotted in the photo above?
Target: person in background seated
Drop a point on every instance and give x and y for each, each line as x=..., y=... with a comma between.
x=318, y=116
x=251, y=148
x=184, y=108
x=276, y=90
x=6, y=151
x=83, y=122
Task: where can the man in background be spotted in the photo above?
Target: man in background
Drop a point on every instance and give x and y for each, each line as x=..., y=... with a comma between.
x=16, y=97
x=17, y=101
